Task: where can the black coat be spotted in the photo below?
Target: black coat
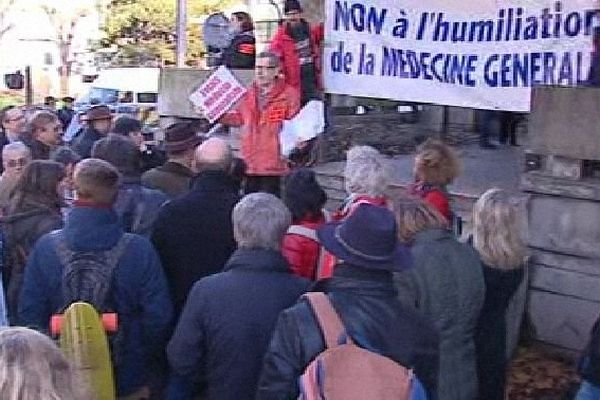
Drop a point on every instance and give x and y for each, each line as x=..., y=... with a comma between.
x=227, y=323
x=241, y=53
x=490, y=335
x=84, y=142
x=194, y=234
x=367, y=303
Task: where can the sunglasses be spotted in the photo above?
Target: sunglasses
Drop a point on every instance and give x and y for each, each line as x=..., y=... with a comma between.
x=17, y=162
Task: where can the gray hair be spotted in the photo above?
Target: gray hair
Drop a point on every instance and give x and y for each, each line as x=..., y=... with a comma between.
x=16, y=147
x=260, y=220
x=365, y=173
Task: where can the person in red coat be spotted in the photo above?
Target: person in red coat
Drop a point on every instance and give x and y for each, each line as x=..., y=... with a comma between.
x=260, y=114
x=305, y=200
x=436, y=166
x=299, y=47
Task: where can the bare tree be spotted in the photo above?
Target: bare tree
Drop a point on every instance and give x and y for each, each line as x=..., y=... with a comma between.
x=5, y=25
x=64, y=21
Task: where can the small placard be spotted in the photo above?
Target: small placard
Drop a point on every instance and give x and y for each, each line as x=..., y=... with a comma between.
x=217, y=94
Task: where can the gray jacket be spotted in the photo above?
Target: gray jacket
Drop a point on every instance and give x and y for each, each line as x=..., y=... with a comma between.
x=446, y=285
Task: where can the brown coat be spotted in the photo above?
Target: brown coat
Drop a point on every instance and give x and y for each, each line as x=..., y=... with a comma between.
x=173, y=179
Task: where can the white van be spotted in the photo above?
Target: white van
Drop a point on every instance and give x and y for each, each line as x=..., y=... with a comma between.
x=123, y=89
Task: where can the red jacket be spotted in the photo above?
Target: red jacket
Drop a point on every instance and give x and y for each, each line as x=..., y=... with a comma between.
x=349, y=208
x=434, y=196
x=260, y=128
x=283, y=45
x=301, y=252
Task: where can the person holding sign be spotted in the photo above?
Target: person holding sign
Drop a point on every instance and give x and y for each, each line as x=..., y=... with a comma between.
x=299, y=46
x=261, y=113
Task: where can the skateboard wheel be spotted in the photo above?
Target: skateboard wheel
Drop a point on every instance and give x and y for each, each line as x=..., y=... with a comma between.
x=110, y=322
x=56, y=324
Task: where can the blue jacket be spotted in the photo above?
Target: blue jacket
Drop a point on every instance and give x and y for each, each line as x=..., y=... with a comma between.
x=227, y=323
x=140, y=292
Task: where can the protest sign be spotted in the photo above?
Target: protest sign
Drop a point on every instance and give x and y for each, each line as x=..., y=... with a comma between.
x=217, y=94
x=471, y=53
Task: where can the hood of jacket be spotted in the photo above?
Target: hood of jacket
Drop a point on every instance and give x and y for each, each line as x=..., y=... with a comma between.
x=92, y=228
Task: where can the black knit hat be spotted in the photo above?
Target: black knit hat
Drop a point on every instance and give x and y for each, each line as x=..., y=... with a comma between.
x=303, y=195
x=124, y=125
x=291, y=6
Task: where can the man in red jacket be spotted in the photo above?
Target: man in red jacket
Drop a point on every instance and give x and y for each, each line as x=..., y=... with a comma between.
x=260, y=114
x=299, y=47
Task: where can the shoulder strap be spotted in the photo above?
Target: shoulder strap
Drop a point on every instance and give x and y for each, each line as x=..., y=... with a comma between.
x=115, y=254
x=65, y=254
x=329, y=321
x=303, y=231
x=311, y=234
x=62, y=250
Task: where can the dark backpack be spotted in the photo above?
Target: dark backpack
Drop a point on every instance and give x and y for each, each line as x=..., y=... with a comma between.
x=87, y=276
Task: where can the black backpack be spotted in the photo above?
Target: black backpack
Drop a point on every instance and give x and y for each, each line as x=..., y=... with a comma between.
x=87, y=276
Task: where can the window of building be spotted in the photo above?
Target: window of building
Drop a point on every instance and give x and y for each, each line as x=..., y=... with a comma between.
x=264, y=30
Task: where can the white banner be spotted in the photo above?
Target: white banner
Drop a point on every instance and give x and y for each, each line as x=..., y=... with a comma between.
x=469, y=53
x=217, y=94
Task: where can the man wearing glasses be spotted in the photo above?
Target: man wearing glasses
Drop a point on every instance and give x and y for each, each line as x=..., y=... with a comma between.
x=261, y=113
x=15, y=156
x=45, y=131
x=12, y=124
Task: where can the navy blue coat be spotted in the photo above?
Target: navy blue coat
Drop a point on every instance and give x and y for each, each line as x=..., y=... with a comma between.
x=140, y=293
x=227, y=323
x=367, y=304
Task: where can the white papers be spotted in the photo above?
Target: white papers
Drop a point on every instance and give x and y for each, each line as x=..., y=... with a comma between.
x=307, y=124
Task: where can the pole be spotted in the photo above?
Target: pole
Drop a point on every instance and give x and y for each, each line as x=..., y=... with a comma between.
x=181, y=47
x=28, y=86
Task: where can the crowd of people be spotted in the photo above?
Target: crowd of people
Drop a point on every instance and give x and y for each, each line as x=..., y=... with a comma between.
x=211, y=270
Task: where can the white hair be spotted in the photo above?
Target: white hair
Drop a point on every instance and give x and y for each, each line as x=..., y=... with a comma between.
x=16, y=147
x=365, y=173
x=260, y=220
x=32, y=367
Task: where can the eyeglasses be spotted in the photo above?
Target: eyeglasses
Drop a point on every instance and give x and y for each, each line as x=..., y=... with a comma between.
x=20, y=117
x=17, y=162
x=261, y=67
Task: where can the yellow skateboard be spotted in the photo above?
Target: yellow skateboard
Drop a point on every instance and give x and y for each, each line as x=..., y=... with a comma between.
x=82, y=337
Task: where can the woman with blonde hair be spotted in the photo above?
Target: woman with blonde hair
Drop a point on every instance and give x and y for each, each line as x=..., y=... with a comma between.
x=33, y=368
x=436, y=166
x=446, y=286
x=498, y=240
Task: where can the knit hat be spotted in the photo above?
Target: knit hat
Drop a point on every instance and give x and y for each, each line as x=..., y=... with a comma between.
x=124, y=125
x=291, y=6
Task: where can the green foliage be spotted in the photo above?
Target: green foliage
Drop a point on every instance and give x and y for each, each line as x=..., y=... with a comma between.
x=146, y=28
